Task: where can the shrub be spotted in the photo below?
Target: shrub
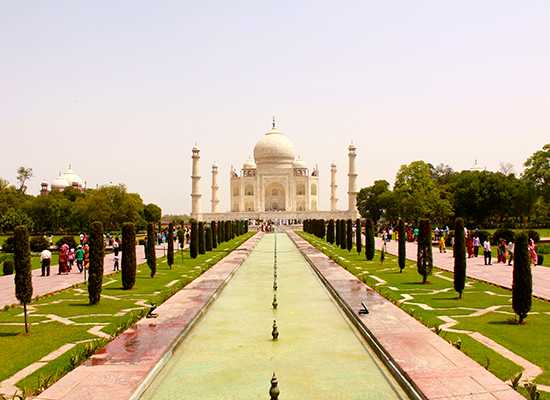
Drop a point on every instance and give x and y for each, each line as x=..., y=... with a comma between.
x=424, y=261
x=505, y=234
x=533, y=235
x=402, y=245
x=522, y=284
x=369, y=240
x=194, y=245
x=23, y=271
x=483, y=236
x=214, y=229
x=95, y=271
x=358, y=238
x=151, y=253
x=7, y=267
x=39, y=243
x=9, y=245
x=459, y=278
x=66, y=239
x=170, y=253
x=128, y=261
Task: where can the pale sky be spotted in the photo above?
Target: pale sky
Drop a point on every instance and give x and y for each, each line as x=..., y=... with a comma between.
x=123, y=89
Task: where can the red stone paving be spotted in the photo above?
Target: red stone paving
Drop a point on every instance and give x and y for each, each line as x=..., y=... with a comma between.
x=497, y=274
x=118, y=370
x=50, y=284
x=437, y=369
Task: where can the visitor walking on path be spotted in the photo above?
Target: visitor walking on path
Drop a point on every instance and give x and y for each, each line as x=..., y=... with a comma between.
x=476, y=245
x=63, y=259
x=115, y=257
x=510, y=252
x=533, y=252
x=86, y=255
x=442, y=248
x=487, y=252
x=79, y=256
x=45, y=261
x=71, y=259
x=470, y=246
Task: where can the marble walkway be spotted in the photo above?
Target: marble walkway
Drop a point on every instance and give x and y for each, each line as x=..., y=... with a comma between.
x=54, y=283
x=436, y=368
x=497, y=274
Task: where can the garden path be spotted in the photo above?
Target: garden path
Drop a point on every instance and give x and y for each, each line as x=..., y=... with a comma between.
x=54, y=282
x=497, y=274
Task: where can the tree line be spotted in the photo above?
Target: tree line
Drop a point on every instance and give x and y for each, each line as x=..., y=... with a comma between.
x=481, y=198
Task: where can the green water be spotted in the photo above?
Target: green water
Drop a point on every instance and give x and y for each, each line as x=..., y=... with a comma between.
x=229, y=354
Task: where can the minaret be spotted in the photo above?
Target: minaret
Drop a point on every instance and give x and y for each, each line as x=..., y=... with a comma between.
x=195, y=188
x=215, y=188
x=352, y=178
x=333, y=186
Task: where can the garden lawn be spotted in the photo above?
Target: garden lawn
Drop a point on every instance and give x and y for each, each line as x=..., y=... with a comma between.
x=117, y=310
x=439, y=299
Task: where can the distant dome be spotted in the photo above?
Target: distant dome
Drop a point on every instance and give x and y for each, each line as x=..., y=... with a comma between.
x=59, y=183
x=72, y=178
x=249, y=164
x=274, y=148
x=299, y=163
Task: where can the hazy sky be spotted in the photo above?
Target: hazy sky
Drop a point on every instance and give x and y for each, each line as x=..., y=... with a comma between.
x=122, y=90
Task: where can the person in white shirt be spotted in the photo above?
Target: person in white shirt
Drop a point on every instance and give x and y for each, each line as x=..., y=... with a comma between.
x=510, y=252
x=45, y=261
x=487, y=252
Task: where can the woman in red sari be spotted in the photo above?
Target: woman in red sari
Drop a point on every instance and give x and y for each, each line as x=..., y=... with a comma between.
x=470, y=246
x=64, y=259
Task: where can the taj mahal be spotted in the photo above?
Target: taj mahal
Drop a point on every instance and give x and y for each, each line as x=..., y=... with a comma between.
x=275, y=185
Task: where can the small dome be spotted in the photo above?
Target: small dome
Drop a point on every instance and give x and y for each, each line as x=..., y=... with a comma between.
x=249, y=164
x=299, y=163
x=72, y=178
x=59, y=183
x=274, y=148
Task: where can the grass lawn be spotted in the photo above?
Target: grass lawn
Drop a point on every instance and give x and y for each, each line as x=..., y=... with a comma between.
x=438, y=298
x=117, y=310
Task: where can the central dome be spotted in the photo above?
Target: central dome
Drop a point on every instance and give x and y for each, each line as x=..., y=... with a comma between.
x=274, y=148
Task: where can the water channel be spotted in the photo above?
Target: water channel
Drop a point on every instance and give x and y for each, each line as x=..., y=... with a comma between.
x=230, y=354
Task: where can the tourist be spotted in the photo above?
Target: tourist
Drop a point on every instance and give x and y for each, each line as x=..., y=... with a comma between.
x=45, y=261
x=79, y=256
x=442, y=248
x=501, y=251
x=487, y=252
x=63, y=259
x=71, y=259
x=81, y=237
x=510, y=252
x=532, y=248
x=470, y=246
x=476, y=245
x=116, y=257
x=86, y=255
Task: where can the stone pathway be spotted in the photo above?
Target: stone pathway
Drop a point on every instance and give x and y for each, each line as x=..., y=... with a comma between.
x=123, y=367
x=497, y=274
x=54, y=283
x=437, y=369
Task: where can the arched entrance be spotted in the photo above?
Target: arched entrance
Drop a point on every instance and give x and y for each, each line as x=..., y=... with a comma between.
x=275, y=197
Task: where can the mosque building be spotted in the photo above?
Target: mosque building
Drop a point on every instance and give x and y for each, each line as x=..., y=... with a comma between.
x=275, y=185
x=67, y=179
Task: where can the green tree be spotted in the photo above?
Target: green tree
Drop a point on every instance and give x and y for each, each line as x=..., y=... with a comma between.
x=23, y=176
x=151, y=253
x=459, y=252
x=23, y=272
x=373, y=200
x=522, y=285
x=128, y=262
x=152, y=213
x=369, y=240
x=537, y=171
x=194, y=244
x=424, y=254
x=358, y=231
x=402, y=245
x=170, y=254
x=97, y=254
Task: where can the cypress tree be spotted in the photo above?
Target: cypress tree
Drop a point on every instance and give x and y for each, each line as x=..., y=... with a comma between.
x=201, y=238
x=128, y=261
x=402, y=250
x=220, y=225
x=349, y=234
x=358, y=239
x=214, y=230
x=227, y=230
x=95, y=270
x=194, y=245
x=369, y=240
x=170, y=254
x=424, y=260
x=343, y=239
x=522, y=284
x=330, y=231
x=151, y=253
x=23, y=271
x=337, y=233
x=208, y=236
x=323, y=228
x=459, y=278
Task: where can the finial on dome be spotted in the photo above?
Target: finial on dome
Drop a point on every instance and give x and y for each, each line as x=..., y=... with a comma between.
x=273, y=124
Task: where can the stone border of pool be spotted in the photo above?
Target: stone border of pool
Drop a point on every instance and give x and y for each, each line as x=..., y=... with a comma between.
x=125, y=367
x=431, y=367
